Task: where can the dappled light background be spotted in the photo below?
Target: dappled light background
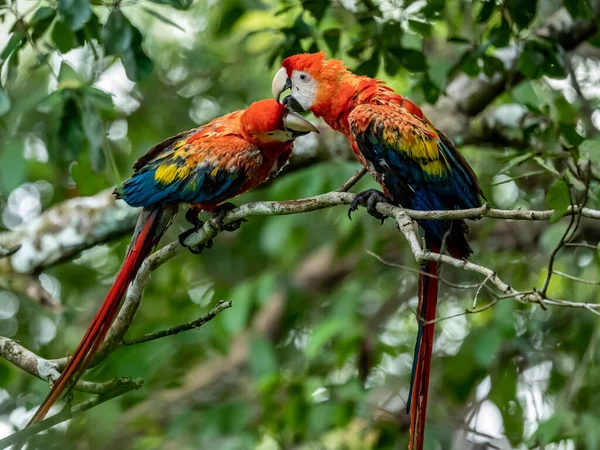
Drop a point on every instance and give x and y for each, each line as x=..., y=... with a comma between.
x=317, y=349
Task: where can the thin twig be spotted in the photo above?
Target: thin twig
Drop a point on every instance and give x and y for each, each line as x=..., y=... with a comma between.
x=420, y=272
x=466, y=312
x=68, y=413
x=219, y=307
x=582, y=245
x=353, y=180
x=571, y=277
x=479, y=290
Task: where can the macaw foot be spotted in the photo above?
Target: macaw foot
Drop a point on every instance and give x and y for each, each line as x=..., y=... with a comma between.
x=192, y=217
x=369, y=200
x=220, y=213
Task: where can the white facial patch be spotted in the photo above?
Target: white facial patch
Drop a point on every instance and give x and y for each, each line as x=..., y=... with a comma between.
x=281, y=135
x=304, y=89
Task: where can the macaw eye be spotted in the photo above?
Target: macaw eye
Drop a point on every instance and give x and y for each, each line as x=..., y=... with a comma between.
x=303, y=77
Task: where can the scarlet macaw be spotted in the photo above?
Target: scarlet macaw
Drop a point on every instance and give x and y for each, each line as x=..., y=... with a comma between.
x=204, y=166
x=417, y=166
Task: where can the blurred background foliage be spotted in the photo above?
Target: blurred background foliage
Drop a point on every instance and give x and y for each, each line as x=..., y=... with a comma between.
x=316, y=351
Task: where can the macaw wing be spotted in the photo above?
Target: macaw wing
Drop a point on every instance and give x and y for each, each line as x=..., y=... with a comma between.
x=202, y=169
x=163, y=148
x=418, y=166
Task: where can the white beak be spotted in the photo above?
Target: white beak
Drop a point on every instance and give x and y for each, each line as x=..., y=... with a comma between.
x=295, y=122
x=281, y=82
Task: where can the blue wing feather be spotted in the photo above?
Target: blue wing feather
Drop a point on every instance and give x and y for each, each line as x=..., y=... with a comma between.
x=404, y=176
x=203, y=184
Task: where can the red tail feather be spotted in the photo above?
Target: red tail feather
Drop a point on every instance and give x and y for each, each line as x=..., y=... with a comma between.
x=428, y=293
x=149, y=230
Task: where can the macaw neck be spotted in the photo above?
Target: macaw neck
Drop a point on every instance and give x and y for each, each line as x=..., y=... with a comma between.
x=270, y=149
x=338, y=100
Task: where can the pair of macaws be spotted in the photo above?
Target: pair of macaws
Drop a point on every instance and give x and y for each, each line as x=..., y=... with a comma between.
x=417, y=166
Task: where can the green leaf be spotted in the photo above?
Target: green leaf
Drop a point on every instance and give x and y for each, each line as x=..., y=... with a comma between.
x=430, y=90
x=177, y=4
x=163, y=19
x=75, y=13
x=421, y=27
x=263, y=361
x=521, y=12
x=531, y=61
x=13, y=43
x=138, y=65
x=569, y=132
x=504, y=395
x=70, y=131
x=392, y=34
x=565, y=110
x=489, y=344
x=540, y=58
x=50, y=102
x=40, y=21
x=12, y=166
x=391, y=64
x=4, y=102
x=491, y=65
x=332, y=39
x=117, y=33
x=551, y=430
x=487, y=8
x=68, y=78
x=244, y=301
x=63, y=37
x=100, y=99
x=230, y=12
x=317, y=8
x=500, y=34
x=578, y=8
x=322, y=334
x=93, y=127
x=592, y=149
x=412, y=60
x=370, y=66
x=42, y=14
x=300, y=28
x=558, y=199
x=470, y=64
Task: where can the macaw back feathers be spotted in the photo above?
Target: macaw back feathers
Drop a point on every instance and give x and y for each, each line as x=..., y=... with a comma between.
x=418, y=167
x=213, y=163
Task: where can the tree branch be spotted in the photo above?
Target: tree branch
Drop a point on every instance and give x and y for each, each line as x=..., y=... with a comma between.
x=219, y=307
x=45, y=369
x=69, y=412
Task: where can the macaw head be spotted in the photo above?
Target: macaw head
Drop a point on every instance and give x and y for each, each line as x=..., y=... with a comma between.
x=312, y=79
x=268, y=121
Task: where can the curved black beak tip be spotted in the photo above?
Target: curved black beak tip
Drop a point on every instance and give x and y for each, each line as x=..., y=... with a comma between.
x=288, y=85
x=292, y=104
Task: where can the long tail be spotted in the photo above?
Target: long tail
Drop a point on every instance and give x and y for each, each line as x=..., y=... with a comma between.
x=149, y=229
x=419, y=383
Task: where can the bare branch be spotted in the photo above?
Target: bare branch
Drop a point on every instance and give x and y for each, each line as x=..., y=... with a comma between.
x=404, y=219
x=47, y=370
x=571, y=277
x=352, y=181
x=66, y=230
x=68, y=413
x=220, y=306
